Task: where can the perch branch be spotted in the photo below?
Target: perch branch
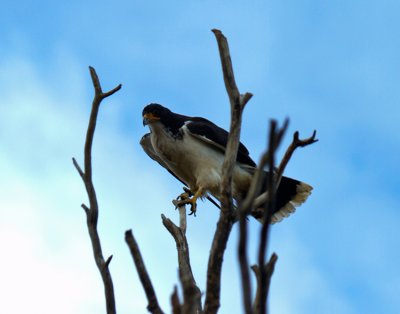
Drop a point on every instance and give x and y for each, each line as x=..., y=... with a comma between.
x=92, y=212
x=191, y=292
x=153, y=305
x=226, y=219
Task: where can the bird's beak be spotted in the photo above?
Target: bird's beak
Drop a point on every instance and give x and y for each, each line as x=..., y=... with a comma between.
x=149, y=118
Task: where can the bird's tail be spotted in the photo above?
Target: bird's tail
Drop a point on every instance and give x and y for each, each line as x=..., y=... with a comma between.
x=291, y=193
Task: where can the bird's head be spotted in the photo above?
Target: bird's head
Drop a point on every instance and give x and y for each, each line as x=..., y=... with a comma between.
x=153, y=113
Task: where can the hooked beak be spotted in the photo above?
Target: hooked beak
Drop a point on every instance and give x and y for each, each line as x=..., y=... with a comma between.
x=149, y=118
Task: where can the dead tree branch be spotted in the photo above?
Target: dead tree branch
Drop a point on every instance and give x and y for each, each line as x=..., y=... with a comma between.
x=246, y=206
x=175, y=304
x=92, y=212
x=225, y=222
x=274, y=179
x=273, y=134
x=296, y=143
x=269, y=270
x=153, y=306
x=191, y=292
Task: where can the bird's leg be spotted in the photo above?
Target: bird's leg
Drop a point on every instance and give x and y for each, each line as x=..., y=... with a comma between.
x=192, y=201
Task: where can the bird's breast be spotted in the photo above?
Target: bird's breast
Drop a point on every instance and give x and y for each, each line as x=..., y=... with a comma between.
x=195, y=162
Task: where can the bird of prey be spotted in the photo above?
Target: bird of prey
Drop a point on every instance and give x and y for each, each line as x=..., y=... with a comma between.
x=192, y=149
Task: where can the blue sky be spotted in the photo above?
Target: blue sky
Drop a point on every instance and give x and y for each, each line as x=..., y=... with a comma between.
x=332, y=66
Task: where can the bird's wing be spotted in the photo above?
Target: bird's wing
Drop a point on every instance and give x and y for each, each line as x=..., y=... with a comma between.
x=148, y=148
x=217, y=137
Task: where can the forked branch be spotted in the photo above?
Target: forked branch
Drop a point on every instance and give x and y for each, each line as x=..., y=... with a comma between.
x=92, y=211
x=226, y=219
x=275, y=138
x=274, y=178
x=191, y=292
x=269, y=270
x=296, y=143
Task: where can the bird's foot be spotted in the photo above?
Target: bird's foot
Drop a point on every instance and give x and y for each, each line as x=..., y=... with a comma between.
x=184, y=196
x=185, y=201
x=188, y=198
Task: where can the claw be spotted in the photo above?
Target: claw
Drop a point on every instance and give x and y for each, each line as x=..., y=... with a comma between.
x=188, y=198
x=193, y=208
x=185, y=195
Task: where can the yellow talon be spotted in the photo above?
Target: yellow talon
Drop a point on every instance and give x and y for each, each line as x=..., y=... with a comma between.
x=185, y=195
x=185, y=199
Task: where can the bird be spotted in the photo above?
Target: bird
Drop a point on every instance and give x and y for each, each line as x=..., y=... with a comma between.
x=192, y=149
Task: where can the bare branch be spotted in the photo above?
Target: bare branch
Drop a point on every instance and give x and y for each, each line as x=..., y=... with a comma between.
x=269, y=198
x=227, y=69
x=152, y=306
x=182, y=219
x=273, y=135
x=85, y=208
x=244, y=264
x=108, y=261
x=296, y=142
x=225, y=222
x=269, y=270
x=246, y=206
x=182, y=215
x=176, y=305
x=255, y=186
x=78, y=168
x=92, y=212
x=191, y=292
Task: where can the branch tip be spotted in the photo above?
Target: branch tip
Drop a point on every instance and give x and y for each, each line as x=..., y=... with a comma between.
x=85, y=208
x=113, y=91
x=216, y=32
x=128, y=233
x=78, y=168
x=244, y=99
x=95, y=80
x=108, y=261
x=297, y=142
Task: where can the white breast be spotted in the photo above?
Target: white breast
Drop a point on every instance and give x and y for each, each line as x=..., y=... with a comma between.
x=195, y=162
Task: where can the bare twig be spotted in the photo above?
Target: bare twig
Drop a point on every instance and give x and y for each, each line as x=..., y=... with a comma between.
x=273, y=134
x=92, y=212
x=176, y=305
x=272, y=185
x=226, y=219
x=269, y=270
x=244, y=264
x=246, y=206
x=296, y=142
x=153, y=305
x=256, y=183
x=191, y=292
x=182, y=216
